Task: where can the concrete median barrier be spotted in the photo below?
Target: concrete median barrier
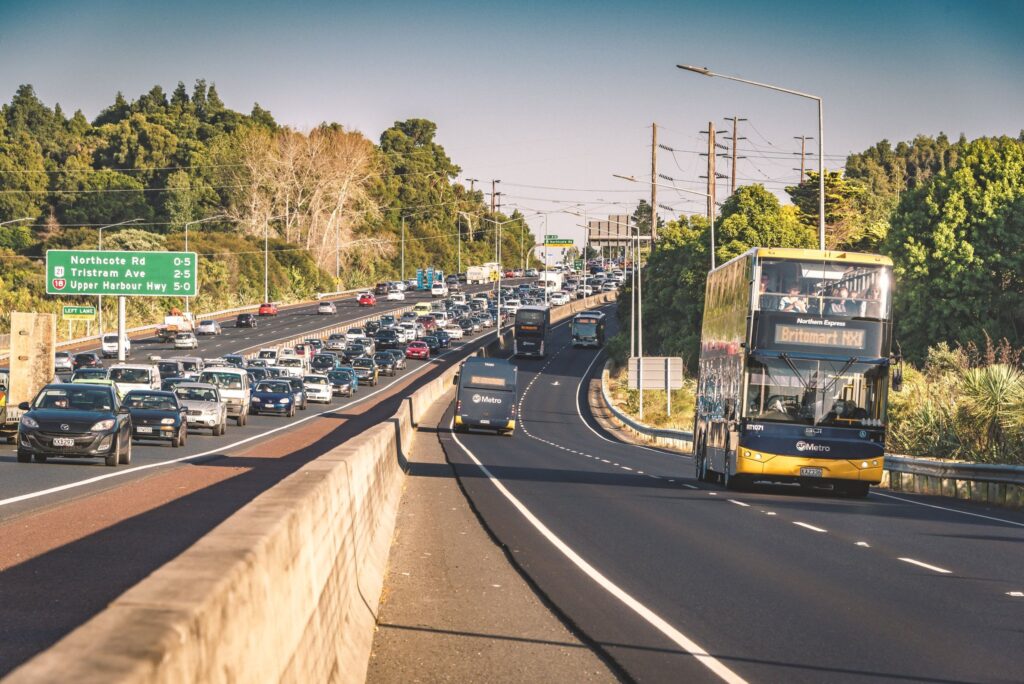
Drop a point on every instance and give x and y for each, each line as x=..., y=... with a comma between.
x=286, y=589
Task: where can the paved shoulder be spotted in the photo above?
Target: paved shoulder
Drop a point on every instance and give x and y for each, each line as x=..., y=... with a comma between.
x=453, y=607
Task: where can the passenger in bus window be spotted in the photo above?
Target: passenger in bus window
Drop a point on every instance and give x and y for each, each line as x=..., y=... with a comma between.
x=793, y=301
x=768, y=302
x=838, y=303
x=872, y=306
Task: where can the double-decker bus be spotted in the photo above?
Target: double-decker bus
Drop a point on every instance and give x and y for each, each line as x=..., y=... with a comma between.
x=794, y=369
x=587, y=329
x=531, y=329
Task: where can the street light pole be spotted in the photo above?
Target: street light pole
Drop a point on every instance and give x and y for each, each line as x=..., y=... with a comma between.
x=100, y=297
x=196, y=264
x=704, y=71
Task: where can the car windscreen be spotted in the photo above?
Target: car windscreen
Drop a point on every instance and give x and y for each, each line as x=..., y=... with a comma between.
x=90, y=373
x=314, y=380
x=363, y=363
x=130, y=375
x=221, y=379
x=153, y=402
x=274, y=387
x=268, y=354
x=75, y=399
x=195, y=393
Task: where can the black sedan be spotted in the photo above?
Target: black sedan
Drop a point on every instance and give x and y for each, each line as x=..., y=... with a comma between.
x=246, y=320
x=157, y=415
x=87, y=360
x=385, y=362
x=443, y=339
x=432, y=343
x=75, y=421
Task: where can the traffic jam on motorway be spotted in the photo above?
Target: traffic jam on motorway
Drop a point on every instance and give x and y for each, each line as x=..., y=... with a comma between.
x=98, y=410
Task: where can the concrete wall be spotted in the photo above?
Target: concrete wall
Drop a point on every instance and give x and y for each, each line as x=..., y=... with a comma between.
x=286, y=589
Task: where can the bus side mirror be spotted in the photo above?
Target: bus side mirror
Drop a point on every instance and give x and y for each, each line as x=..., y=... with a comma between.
x=455, y=380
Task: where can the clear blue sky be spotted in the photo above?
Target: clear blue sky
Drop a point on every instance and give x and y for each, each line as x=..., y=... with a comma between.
x=548, y=94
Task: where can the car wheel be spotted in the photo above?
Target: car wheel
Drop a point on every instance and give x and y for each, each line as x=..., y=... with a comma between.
x=126, y=457
x=39, y=458
x=113, y=456
x=184, y=435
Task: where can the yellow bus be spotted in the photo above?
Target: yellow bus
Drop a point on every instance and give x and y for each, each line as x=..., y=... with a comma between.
x=794, y=370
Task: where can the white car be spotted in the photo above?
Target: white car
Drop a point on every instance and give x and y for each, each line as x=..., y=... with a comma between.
x=559, y=298
x=269, y=355
x=407, y=330
x=395, y=295
x=208, y=328
x=459, y=298
x=318, y=388
x=438, y=290
x=205, y=407
x=397, y=285
x=110, y=346
x=454, y=331
x=584, y=291
x=326, y=308
x=353, y=334
x=185, y=340
x=62, y=361
x=336, y=342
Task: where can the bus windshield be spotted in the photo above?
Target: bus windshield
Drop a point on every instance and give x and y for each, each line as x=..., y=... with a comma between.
x=815, y=392
x=585, y=328
x=825, y=288
x=530, y=317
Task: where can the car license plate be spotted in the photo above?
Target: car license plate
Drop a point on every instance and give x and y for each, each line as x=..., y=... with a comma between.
x=63, y=441
x=144, y=430
x=810, y=472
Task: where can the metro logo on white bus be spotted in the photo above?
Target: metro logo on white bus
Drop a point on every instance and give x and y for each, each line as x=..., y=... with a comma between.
x=810, y=446
x=487, y=400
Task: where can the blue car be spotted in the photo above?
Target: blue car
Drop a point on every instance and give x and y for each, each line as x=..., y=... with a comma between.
x=272, y=396
x=353, y=380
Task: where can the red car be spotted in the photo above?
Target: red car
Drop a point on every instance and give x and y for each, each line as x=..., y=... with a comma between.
x=428, y=322
x=267, y=309
x=417, y=350
x=367, y=299
x=510, y=274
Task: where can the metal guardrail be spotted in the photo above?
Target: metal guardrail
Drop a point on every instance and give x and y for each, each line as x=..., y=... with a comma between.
x=5, y=339
x=647, y=430
x=952, y=470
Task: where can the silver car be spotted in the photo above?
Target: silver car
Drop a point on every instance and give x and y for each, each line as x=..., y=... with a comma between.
x=204, y=406
x=62, y=361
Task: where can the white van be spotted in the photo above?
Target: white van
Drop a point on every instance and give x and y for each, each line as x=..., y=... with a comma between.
x=109, y=346
x=294, y=365
x=233, y=384
x=459, y=298
x=127, y=377
x=269, y=354
x=438, y=289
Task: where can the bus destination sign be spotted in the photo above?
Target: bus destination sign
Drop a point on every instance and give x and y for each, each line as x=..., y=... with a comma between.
x=814, y=336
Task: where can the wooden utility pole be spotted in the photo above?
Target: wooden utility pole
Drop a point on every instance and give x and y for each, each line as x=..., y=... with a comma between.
x=803, y=152
x=472, y=184
x=654, y=183
x=494, y=189
x=735, y=125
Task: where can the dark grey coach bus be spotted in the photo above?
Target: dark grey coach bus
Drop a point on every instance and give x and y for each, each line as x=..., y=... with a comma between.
x=486, y=396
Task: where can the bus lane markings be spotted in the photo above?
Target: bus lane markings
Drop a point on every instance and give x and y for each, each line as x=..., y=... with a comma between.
x=652, y=618
x=926, y=566
x=812, y=528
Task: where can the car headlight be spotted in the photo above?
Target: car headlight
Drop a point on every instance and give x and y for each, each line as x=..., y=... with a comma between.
x=286, y=400
x=103, y=425
x=167, y=421
x=29, y=422
x=255, y=400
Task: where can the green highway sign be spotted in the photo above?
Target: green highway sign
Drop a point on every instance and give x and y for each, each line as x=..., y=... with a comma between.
x=78, y=313
x=578, y=264
x=132, y=274
x=558, y=243
x=549, y=238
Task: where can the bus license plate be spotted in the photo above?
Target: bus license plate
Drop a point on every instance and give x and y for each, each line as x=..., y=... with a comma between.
x=144, y=430
x=63, y=441
x=810, y=472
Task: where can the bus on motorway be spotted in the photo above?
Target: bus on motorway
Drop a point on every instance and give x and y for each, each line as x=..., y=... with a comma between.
x=486, y=395
x=587, y=329
x=794, y=369
x=530, y=331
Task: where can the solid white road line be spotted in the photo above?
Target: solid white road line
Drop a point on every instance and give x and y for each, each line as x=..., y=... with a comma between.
x=812, y=528
x=219, y=450
x=943, y=508
x=739, y=503
x=680, y=639
x=926, y=566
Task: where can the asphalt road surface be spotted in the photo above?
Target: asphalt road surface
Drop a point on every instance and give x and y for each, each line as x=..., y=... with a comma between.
x=683, y=581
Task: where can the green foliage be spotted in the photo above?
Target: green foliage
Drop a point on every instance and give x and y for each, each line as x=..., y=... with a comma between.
x=958, y=245
x=854, y=218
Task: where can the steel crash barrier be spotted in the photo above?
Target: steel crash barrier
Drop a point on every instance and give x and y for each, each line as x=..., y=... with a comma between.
x=990, y=483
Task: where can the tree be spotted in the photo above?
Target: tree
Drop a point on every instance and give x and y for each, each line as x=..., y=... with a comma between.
x=958, y=245
x=23, y=177
x=853, y=219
